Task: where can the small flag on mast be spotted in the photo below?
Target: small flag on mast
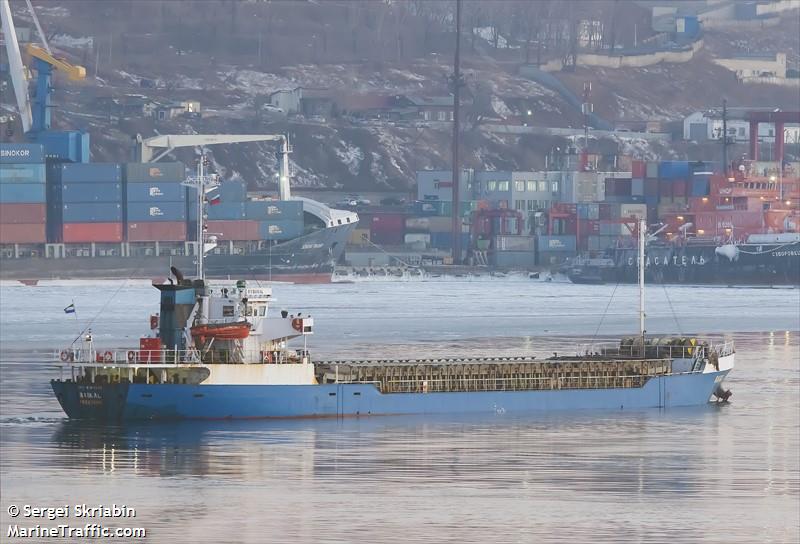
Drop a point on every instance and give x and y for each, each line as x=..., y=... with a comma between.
x=214, y=200
x=70, y=309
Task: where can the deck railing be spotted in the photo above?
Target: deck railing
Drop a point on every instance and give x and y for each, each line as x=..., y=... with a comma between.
x=138, y=357
x=511, y=384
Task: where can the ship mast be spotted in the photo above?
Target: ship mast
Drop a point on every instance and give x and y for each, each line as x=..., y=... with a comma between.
x=201, y=183
x=642, y=235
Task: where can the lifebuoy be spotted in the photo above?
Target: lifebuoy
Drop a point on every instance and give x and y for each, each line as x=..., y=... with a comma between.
x=108, y=356
x=131, y=356
x=64, y=355
x=297, y=324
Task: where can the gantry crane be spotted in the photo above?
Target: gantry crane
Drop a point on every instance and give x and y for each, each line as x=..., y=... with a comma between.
x=36, y=117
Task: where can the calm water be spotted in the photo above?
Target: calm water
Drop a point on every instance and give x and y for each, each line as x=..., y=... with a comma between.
x=719, y=473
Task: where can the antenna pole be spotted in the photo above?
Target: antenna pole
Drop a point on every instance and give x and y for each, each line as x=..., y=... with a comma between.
x=642, y=235
x=456, y=216
x=201, y=196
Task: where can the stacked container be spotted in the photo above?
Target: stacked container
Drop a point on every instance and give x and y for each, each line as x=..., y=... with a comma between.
x=23, y=208
x=278, y=220
x=86, y=202
x=155, y=202
x=228, y=218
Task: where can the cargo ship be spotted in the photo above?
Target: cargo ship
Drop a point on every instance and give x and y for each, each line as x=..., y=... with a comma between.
x=216, y=352
x=740, y=229
x=61, y=220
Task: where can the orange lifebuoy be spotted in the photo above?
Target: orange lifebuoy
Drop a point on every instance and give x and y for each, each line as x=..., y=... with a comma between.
x=297, y=324
x=64, y=355
x=108, y=357
x=131, y=356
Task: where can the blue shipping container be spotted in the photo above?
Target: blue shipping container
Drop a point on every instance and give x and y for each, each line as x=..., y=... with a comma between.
x=95, y=172
x=155, y=172
x=156, y=192
x=262, y=210
x=637, y=187
x=91, y=212
x=21, y=153
x=156, y=211
x=444, y=240
x=91, y=192
x=673, y=169
x=71, y=146
x=23, y=173
x=280, y=230
x=231, y=191
x=21, y=193
x=701, y=185
x=226, y=211
x=548, y=244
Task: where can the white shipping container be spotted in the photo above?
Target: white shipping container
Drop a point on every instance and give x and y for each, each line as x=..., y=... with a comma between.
x=514, y=243
x=417, y=238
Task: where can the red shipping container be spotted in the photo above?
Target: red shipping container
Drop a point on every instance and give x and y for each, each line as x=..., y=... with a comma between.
x=638, y=169
x=234, y=230
x=157, y=231
x=23, y=213
x=679, y=187
x=76, y=233
x=23, y=234
x=388, y=222
x=665, y=189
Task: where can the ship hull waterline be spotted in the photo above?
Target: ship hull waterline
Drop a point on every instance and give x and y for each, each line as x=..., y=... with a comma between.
x=134, y=401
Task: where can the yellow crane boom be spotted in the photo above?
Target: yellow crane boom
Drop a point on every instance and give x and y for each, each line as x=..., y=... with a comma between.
x=72, y=71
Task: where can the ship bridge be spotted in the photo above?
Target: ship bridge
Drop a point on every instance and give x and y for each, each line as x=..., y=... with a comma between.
x=330, y=216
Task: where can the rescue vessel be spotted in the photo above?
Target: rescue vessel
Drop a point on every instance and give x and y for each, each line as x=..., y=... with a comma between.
x=215, y=351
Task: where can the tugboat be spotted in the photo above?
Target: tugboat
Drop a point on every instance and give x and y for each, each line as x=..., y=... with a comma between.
x=214, y=352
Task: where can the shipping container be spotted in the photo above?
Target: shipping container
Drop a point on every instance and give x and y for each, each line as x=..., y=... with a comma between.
x=386, y=237
x=93, y=172
x=422, y=238
x=513, y=243
x=23, y=173
x=21, y=153
x=91, y=192
x=673, y=169
x=160, y=211
x=427, y=207
x=23, y=213
x=444, y=240
x=679, y=188
x=75, y=233
x=155, y=231
x=22, y=192
x=565, y=243
x=282, y=229
x=94, y=212
x=156, y=192
x=234, y=230
x=280, y=210
x=638, y=169
x=388, y=222
x=513, y=259
x=70, y=146
x=589, y=210
x=22, y=233
x=651, y=170
x=359, y=237
x=155, y=172
x=637, y=187
x=651, y=187
x=429, y=224
x=701, y=185
x=226, y=211
x=231, y=191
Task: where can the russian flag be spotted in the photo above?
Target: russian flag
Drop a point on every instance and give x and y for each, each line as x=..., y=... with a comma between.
x=214, y=200
x=70, y=309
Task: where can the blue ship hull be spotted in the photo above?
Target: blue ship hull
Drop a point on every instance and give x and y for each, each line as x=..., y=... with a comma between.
x=125, y=402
